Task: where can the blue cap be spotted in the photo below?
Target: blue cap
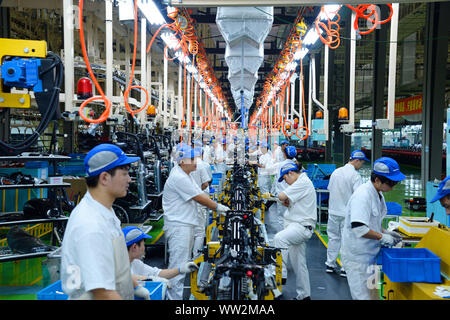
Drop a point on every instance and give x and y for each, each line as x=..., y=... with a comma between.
x=284, y=142
x=133, y=235
x=443, y=190
x=358, y=154
x=291, y=151
x=290, y=166
x=197, y=151
x=184, y=151
x=388, y=168
x=264, y=145
x=105, y=157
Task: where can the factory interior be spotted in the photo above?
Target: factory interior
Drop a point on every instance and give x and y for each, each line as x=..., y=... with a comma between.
x=224, y=150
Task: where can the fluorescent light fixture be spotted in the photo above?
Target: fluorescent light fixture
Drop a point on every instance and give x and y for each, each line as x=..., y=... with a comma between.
x=311, y=37
x=291, y=66
x=151, y=12
x=170, y=40
x=300, y=54
x=330, y=11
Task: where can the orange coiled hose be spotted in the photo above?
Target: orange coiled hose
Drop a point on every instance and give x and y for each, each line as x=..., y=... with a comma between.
x=331, y=29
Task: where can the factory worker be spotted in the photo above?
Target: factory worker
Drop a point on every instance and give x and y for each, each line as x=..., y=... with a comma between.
x=135, y=241
x=220, y=156
x=280, y=152
x=299, y=221
x=343, y=182
x=94, y=262
x=363, y=235
x=274, y=216
x=202, y=176
x=265, y=175
x=208, y=154
x=443, y=194
x=181, y=196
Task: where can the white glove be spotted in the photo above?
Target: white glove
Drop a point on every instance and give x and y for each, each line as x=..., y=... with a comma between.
x=188, y=267
x=221, y=208
x=387, y=240
x=142, y=292
x=397, y=237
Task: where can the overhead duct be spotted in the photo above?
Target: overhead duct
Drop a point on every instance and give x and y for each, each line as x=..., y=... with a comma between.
x=244, y=30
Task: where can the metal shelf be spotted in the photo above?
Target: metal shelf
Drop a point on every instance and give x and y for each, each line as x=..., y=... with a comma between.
x=30, y=221
x=35, y=158
x=33, y=186
x=14, y=256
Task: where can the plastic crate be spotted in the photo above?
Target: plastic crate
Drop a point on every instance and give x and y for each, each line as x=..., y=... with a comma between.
x=155, y=288
x=52, y=292
x=55, y=292
x=411, y=265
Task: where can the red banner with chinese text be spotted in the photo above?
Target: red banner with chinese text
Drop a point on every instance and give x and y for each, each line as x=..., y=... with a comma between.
x=406, y=106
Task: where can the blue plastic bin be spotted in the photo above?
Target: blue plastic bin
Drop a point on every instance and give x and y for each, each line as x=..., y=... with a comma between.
x=54, y=291
x=411, y=265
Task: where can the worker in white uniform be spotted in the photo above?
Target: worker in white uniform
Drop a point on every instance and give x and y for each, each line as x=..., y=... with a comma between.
x=343, y=182
x=280, y=152
x=181, y=196
x=202, y=176
x=443, y=194
x=299, y=221
x=265, y=175
x=94, y=258
x=135, y=241
x=274, y=216
x=363, y=235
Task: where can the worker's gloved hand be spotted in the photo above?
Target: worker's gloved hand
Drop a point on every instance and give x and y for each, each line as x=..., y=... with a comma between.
x=188, y=267
x=222, y=209
x=142, y=292
x=387, y=240
x=397, y=237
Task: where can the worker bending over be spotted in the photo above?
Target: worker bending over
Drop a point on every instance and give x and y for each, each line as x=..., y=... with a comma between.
x=363, y=235
x=299, y=221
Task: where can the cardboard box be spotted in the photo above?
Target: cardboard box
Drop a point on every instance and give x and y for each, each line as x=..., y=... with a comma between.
x=77, y=188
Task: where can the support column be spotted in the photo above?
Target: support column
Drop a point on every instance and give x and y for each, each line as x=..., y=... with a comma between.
x=435, y=58
x=347, y=139
x=331, y=104
x=5, y=32
x=68, y=55
x=379, y=83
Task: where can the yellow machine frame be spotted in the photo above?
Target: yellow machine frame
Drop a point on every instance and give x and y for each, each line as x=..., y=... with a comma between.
x=19, y=48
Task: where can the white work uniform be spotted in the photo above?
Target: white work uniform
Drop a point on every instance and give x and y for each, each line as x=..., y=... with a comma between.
x=180, y=219
x=265, y=174
x=366, y=206
x=201, y=175
x=300, y=220
x=219, y=159
x=279, y=155
x=94, y=252
x=138, y=267
x=274, y=218
x=343, y=182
